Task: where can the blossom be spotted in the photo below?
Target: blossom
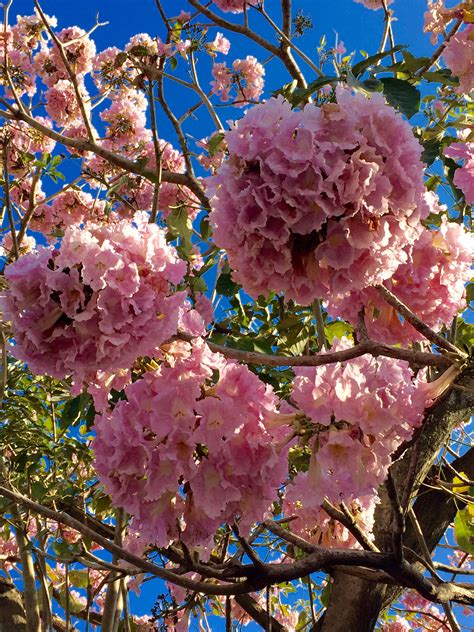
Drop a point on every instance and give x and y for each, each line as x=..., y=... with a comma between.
x=126, y=119
x=79, y=49
x=464, y=176
x=246, y=76
x=69, y=207
x=138, y=192
x=316, y=202
x=458, y=55
x=313, y=524
x=27, y=244
x=431, y=284
x=399, y=624
x=235, y=6
x=373, y=4
x=437, y=17
x=220, y=44
x=100, y=301
x=363, y=410
x=173, y=457
x=25, y=139
x=62, y=104
x=27, y=32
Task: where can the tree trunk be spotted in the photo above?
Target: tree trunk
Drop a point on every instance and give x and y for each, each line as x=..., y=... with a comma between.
x=12, y=611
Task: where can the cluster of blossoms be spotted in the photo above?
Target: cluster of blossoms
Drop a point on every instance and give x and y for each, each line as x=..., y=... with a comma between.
x=464, y=176
x=98, y=302
x=373, y=4
x=68, y=208
x=27, y=244
x=190, y=449
x=459, y=57
x=246, y=76
x=438, y=16
x=235, y=6
x=313, y=524
x=431, y=285
x=20, y=139
x=360, y=412
x=316, y=202
x=126, y=120
x=137, y=193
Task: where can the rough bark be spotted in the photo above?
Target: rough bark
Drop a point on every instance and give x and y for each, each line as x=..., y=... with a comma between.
x=355, y=603
x=12, y=611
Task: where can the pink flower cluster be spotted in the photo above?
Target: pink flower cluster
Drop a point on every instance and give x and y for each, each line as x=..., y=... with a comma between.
x=373, y=4
x=246, y=77
x=189, y=449
x=437, y=18
x=458, y=55
x=100, y=301
x=235, y=6
x=69, y=207
x=464, y=176
x=431, y=284
x=138, y=192
x=313, y=524
x=62, y=104
x=79, y=49
x=314, y=203
x=25, y=139
x=126, y=119
x=411, y=600
x=362, y=410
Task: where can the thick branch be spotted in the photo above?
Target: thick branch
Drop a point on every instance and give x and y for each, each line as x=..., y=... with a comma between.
x=116, y=160
x=416, y=358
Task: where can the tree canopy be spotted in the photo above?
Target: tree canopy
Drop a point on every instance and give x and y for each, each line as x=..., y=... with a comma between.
x=236, y=343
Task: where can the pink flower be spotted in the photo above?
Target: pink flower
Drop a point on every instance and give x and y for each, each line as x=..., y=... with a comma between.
x=172, y=455
x=246, y=77
x=67, y=208
x=431, y=284
x=373, y=4
x=459, y=58
x=62, y=104
x=438, y=17
x=220, y=44
x=235, y=6
x=317, y=202
x=363, y=410
x=184, y=17
x=98, y=303
x=464, y=176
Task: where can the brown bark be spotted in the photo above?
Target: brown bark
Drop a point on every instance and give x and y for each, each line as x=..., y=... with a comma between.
x=12, y=611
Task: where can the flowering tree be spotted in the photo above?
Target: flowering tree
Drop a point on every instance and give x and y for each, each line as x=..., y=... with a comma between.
x=236, y=362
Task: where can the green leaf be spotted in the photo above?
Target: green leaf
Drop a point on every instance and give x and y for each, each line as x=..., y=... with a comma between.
x=72, y=410
x=365, y=64
x=226, y=286
x=325, y=595
x=139, y=51
x=214, y=143
x=443, y=76
x=173, y=63
x=464, y=529
x=120, y=59
x=302, y=94
x=80, y=579
x=402, y=95
x=205, y=229
x=431, y=150
x=337, y=329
